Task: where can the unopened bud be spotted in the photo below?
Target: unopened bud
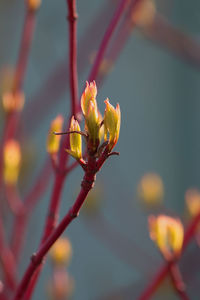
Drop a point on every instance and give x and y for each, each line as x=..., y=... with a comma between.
x=13, y=101
x=88, y=95
x=12, y=161
x=75, y=140
x=145, y=13
x=167, y=233
x=192, y=198
x=61, y=252
x=112, y=119
x=151, y=189
x=53, y=141
x=33, y=5
x=92, y=122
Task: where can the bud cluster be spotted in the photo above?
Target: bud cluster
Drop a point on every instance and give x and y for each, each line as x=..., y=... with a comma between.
x=96, y=126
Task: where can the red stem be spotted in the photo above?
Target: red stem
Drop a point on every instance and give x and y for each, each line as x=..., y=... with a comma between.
x=163, y=271
x=25, y=46
x=37, y=258
x=107, y=38
x=177, y=281
x=72, y=17
x=7, y=260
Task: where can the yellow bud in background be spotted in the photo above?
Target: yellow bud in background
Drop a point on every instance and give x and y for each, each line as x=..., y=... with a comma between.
x=53, y=141
x=151, y=189
x=12, y=161
x=88, y=95
x=61, y=252
x=168, y=234
x=112, y=120
x=192, y=198
x=13, y=101
x=33, y=5
x=75, y=140
x=145, y=13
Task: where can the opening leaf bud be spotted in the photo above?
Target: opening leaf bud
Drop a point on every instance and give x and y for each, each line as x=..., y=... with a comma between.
x=167, y=233
x=12, y=161
x=13, y=101
x=92, y=122
x=75, y=140
x=53, y=141
x=88, y=95
x=112, y=120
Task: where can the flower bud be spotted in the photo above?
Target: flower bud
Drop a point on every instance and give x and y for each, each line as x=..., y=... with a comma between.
x=167, y=233
x=13, y=101
x=75, y=140
x=12, y=161
x=151, y=189
x=88, y=95
x=192, y=198
x=92, y=122
x=112, y=119
x=53, y=141
x=33, y=5
x=145, y=13
x=61, y=251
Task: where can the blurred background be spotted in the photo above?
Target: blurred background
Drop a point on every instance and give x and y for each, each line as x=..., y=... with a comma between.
x=153, y=72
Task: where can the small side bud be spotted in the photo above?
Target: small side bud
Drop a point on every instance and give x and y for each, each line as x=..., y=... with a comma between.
x=53, y=141
x=192, y=198
x=112, y=120
x=12, y=162
x=145, y=13
x=151, y=189
x=61, y=252
x=33, y=5
x=88, y=95
x=75, y=140
x=167, y=233
x=13, y=101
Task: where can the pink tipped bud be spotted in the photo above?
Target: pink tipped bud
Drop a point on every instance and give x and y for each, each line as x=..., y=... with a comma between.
x=88, y=95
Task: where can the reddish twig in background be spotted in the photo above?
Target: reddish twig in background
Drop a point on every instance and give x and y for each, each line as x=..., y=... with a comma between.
x=7, y=260
x=177, y=281
x=31, y=199
x=174, y=40
x=106, y=39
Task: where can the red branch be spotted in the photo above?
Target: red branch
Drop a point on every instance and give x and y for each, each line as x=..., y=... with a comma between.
x=106, y=39
x=25, y=46
x=72, y=17
x=87, y=184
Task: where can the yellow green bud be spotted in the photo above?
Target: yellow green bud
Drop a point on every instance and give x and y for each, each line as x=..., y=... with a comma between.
x=75, y=140
x=112, y=119
x=88, y=95
x=12, y=161
x=168, y=233
x=92, y=122
x=53, y=141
